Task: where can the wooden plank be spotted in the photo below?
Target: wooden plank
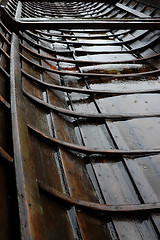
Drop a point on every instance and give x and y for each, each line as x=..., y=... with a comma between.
x=75, y=170
x=89, y=138
x=46, y=161
x=31, y=219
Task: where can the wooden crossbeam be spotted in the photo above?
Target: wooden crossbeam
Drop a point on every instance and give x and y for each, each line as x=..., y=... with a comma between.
x=61, y=23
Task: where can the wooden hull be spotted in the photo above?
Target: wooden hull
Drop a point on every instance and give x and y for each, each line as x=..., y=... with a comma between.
x=80, y=118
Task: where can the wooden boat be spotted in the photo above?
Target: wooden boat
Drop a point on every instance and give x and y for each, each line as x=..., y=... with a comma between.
x=80, y=120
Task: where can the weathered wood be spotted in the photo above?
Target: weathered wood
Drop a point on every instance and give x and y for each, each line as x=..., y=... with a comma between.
x=46, y=164
x=30, y=210
x=45, y=23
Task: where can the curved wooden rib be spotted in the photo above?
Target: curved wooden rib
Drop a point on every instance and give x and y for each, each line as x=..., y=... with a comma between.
x=138, y=60
x=2, y=50
x=5, y=39
x=97, y=206
x=138, y=49
x=5, y=103
x=5, y=155
x=6, y=29
x=114, y=117
x=88, y=37
x=86, y=91
x=76, y=30
x=89, y=151
x=89, y=74
x=142, y=48
x=4, y=72
x=34, y=36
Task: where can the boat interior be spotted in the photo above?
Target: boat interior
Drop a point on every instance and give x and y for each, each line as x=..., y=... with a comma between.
x=79, y=120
